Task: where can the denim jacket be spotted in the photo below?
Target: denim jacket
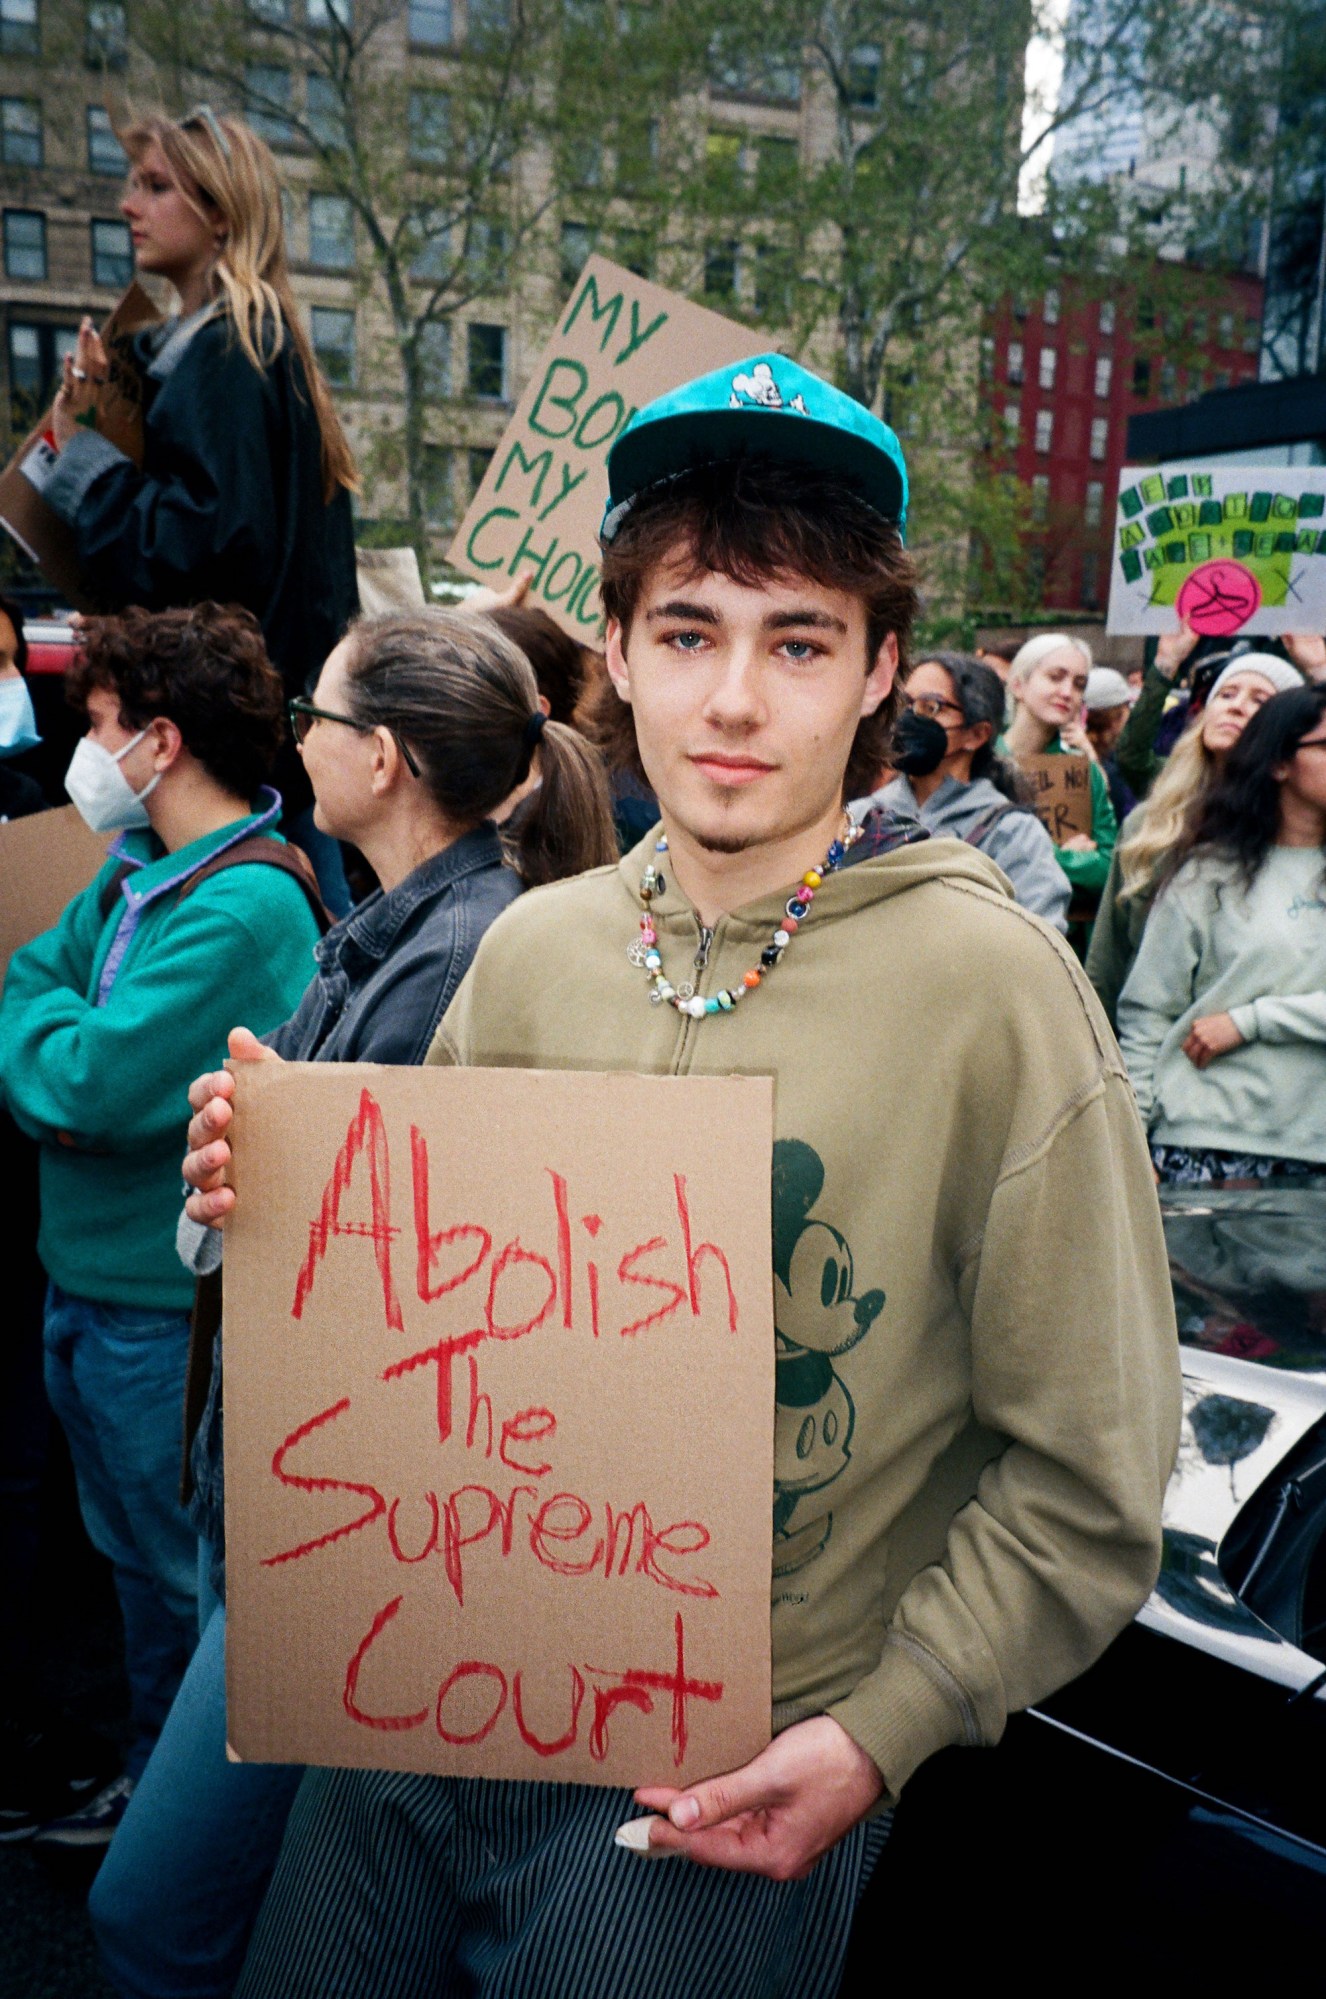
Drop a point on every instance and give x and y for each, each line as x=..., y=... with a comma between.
x=386, y=975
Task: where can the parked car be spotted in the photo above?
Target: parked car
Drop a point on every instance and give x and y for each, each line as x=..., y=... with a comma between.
x=1166, y=1813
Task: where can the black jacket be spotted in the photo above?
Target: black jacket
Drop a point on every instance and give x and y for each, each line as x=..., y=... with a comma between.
x=227, y=504
x=386, y=975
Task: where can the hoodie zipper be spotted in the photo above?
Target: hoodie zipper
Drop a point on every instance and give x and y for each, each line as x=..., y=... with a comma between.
x=702, y=955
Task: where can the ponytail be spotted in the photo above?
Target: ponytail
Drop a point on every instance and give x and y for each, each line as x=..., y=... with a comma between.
x=464, y=701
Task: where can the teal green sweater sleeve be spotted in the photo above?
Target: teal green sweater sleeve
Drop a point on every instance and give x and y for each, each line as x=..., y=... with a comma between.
x=1090, y=872
x=113, y=1076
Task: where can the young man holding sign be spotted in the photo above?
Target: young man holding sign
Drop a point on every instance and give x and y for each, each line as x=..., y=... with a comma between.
x=977, y=1378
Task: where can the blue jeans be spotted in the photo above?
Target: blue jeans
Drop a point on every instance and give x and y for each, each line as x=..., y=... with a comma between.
x=115, y=1379
x=180, y=1888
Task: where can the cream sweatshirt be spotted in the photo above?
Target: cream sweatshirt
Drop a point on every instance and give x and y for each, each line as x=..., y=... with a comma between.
x=1259, y=955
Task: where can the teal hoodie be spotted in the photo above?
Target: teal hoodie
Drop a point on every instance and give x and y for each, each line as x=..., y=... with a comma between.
x=104, y=1023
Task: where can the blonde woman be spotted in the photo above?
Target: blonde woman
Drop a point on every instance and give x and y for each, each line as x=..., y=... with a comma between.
x=1048, y=683
x=243, y=495
x=1158, y=826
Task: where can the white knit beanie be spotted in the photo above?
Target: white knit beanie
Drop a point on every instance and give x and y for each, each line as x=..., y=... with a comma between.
x=1282, y=676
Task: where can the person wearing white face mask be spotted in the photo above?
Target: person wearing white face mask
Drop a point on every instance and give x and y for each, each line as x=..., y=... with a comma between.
x=19, y=793
x=201, y=909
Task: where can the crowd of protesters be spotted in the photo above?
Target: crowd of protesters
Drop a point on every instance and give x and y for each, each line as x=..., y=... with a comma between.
x=239, y=716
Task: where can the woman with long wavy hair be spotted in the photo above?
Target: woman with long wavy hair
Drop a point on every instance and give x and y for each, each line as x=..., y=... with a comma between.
x=243, y=494
x=1152, y=833
x=1223, y=1019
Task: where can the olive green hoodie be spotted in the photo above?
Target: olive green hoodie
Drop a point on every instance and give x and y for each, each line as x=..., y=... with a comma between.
x=977, y=1368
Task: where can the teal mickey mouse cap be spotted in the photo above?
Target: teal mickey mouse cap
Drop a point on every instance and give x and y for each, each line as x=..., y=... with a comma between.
x=764, y=407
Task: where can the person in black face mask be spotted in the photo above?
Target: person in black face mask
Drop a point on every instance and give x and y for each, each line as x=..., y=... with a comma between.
x=950, y=779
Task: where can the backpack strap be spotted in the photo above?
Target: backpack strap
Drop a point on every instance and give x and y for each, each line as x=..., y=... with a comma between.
x=988, y=820
x=258, y=850
x=110, y=893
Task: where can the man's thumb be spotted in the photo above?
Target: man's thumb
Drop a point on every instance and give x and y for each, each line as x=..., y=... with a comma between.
x=720, y=1798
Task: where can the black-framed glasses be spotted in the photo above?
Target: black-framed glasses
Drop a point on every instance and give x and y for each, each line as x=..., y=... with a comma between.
x=303, y=714
x=930, y=705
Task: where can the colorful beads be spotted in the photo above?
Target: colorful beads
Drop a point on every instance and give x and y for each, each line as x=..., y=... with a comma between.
x=699, y=1006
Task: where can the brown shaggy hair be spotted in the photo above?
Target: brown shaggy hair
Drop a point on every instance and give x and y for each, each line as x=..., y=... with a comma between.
x=206, y=670
x=755, y=519
x=558, y=662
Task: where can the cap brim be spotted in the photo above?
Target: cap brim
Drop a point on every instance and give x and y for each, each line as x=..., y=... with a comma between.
x=675, y=444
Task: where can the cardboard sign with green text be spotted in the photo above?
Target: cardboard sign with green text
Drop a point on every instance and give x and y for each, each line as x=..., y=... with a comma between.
x=621, y=342
x=1060, y=793
x=499, y=1393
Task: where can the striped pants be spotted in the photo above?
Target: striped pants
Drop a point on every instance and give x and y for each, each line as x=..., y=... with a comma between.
x=408, y=1887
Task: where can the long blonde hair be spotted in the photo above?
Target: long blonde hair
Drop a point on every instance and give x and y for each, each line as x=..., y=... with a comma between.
x=224, y=169
x=1168, y=815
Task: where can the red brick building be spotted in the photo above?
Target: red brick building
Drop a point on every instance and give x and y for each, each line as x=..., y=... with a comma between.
x=1063, y=376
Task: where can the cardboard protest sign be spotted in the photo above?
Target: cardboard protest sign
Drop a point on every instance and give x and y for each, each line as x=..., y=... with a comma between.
x=621, y=342
x=499, y=1361
x=1060, y=793
x=44, y=538
x=1237, y=549
x=46, y=859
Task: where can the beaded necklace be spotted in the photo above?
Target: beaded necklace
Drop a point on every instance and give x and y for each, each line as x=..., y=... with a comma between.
x=644, y=951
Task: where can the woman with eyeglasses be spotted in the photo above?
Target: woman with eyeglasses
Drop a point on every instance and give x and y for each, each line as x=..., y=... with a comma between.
x=1223, y=1019
x=243, y=494
x=950, y=778
x=419, y=732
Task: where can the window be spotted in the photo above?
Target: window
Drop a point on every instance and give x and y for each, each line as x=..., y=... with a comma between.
x=1200, y=329
x=1141, y=377
x=1017, y=364
x=432, y=234
x=720, y=269
x=577, y=244
x=586, y=162
x=36, y=354
x=271, y=12
x=430, y=127
x=1196, y=383
x=477, y=460
x=435, y=356
x=776, y=163
x=25, y=243
x=489, y=18
x=634, y=253
x=437, y=483
x=486, y=354
x=987, y=357
x=1104, y=373
x=490, y=244
x=1100, y=437
x=722, y=161
x=105, y=154
x=330, y=13
x=331, y=232
x=1093, y=506
x=1012, y=422
x=106, y=43
x=1048, y=366
x=1225, y=329
x=267, y=102
x=1106, y=317
x=1040, y=498
x=1050, y=309
x=739, y=67
x=1169, y=381
x=20, y=131
x=1146, y=314
x=1090, y=585
x=1044, y=429
x=1221, y=379
x=20, y=34
x=334, y=344
x=430, y=23
x=863, y=67
x=112, y=255
x=1252, y=335
x=637, y=153
x=773, y=283
x=324, y=110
